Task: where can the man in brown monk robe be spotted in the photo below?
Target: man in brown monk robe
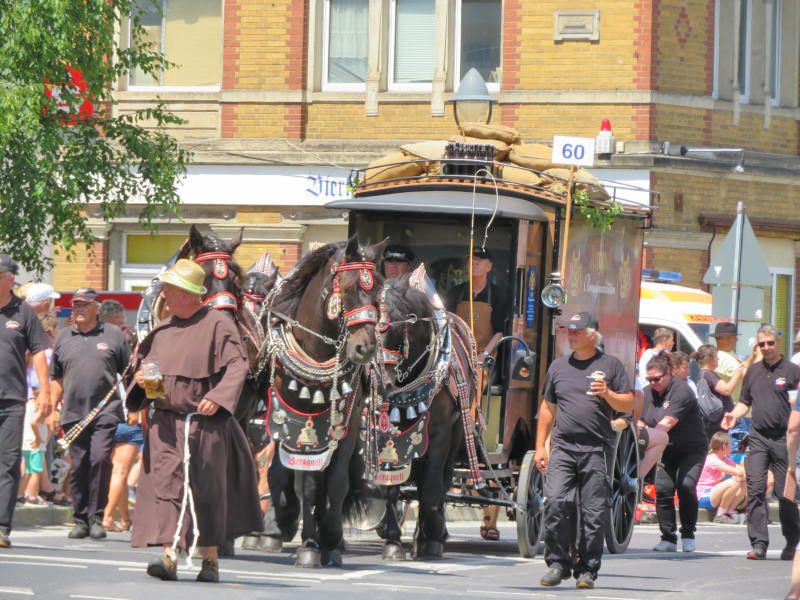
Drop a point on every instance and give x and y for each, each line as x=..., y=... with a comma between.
x=198, y=352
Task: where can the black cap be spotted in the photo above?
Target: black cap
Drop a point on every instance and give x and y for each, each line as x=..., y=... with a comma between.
x=85, y=294
x=482, y=253
x=397, y=252
x=725, y=329
x=7, y=264
x=582, y=320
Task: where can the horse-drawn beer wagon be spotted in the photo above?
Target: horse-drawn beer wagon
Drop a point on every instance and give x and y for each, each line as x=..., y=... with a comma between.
x=560, y=241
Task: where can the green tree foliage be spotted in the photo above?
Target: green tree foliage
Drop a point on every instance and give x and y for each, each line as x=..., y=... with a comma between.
x=53, y=163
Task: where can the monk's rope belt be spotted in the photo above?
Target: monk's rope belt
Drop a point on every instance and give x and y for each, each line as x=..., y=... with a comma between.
x=188, y=497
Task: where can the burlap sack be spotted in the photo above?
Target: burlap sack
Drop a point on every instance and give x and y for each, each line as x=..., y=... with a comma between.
x=482, y=131
x=584, y=181
x=383, y=168
x=533, y=156
x=431, y=150
x=518, y=175
x=501, y=148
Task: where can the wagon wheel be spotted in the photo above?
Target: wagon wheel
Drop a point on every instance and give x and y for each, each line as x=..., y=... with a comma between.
x=625, y=491
x=530, y=517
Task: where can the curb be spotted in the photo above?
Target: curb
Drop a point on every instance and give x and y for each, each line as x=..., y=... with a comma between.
x=37, y=516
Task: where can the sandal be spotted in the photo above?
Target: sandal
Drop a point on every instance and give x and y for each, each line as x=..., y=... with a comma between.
x=489, y=532
x=111, y=526
x=125, y=524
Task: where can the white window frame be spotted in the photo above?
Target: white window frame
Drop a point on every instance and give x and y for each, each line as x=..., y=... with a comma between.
x=744, y=86
x=131, y=274
x=776, y=67
x=790, y=272
x=170, y=88
x=326, y=86
x=129, y=283
x=401, y=87
x=457, y=74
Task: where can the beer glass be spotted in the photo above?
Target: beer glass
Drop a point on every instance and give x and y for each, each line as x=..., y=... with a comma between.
x=153, y=380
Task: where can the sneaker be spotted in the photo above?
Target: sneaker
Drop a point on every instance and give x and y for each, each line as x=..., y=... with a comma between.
x=80, y=531
x=787, y=553
x=96, y=530
x=5, y=541
x=163, y=568
x=757, y=553
x=687, y=545
x=209, y=572
x=585, y=581
x=726, y=519
x=554, y=576
x=665, y=546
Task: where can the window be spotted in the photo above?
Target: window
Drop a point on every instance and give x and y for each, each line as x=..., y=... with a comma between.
x=781, y=306
x=411, y=45
x=189, y=33
x=744, y=50
x=345, y=43
x=144, y=255
x=478, y=40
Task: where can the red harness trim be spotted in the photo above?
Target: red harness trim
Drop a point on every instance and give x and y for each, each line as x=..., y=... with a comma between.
x=390, y=357
x=353, y=266
x=254, y=296
x=212, y=256
x=222, y=300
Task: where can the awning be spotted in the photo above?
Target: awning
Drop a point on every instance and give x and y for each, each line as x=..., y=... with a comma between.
x=445, y=202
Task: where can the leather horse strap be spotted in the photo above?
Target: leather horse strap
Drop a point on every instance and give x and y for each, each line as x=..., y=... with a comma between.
x=458, y=386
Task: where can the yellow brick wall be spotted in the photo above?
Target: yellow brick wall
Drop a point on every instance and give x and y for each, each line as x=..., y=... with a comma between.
x=684, y=46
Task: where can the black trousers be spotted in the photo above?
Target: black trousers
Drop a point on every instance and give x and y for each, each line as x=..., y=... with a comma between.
x=764, y=454
x=90, y=472
x=680, y=472
x=12, y=419
x=576, y=482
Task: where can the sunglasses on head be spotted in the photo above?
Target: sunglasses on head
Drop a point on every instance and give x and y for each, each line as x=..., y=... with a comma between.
x=769, y=343
x=655, y=379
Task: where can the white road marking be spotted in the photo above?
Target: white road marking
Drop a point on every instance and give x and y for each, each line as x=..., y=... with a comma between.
x=29, y=563
x=608, y=598
x=395, y=586
x=97, y=597
x=526, y=594
x=16, y=590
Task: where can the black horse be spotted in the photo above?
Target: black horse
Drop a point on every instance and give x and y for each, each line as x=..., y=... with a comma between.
x=320, y=324
x=420, y=340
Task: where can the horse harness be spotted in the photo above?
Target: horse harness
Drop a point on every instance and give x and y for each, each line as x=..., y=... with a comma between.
x=307, y=439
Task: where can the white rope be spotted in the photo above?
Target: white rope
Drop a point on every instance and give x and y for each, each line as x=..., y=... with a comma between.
x=188, y=497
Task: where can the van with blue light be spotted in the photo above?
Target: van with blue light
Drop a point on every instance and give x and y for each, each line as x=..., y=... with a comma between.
x=665, y=303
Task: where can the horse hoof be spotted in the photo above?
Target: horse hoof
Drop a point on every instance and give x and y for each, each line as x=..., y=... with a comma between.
x=307, y=558
x=332, y=558
x=268, y=543
x=432, y=550
x=226, y=549
x=393, y=551
x=250, y=542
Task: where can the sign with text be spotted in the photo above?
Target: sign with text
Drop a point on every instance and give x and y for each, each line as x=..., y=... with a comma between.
x=568, y=150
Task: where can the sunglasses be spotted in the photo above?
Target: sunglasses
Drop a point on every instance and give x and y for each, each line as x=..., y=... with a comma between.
x=655, y=379
x=769, y=343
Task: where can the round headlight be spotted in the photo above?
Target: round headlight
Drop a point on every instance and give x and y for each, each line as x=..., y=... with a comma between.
x=554, y=294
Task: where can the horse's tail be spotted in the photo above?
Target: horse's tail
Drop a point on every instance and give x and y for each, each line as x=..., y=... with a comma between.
x=355, y=503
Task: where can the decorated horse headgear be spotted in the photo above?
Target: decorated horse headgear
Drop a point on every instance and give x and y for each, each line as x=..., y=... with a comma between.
x=222, y=300
x=366, y=280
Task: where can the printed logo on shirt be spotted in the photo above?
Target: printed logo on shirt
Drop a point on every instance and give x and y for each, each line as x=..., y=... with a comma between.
x=666, y=404
x=12, y=325
x=102, y=346
x=780, y=383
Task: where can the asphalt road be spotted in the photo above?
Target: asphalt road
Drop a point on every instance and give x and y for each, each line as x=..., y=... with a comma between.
x=43, y=563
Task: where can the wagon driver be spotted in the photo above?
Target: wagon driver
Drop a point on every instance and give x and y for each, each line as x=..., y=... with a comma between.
x=581, y=392
x=200, y=357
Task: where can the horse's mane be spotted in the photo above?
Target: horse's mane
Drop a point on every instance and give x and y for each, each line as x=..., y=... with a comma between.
x=298, y=278
x=403, y=300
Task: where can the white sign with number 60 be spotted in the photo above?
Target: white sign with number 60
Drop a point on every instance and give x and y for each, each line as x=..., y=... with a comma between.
x=568, y=150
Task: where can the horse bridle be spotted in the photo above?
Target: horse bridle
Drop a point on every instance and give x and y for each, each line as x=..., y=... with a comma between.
x=222, y=300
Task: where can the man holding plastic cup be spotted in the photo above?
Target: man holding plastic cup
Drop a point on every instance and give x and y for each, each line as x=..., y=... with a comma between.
x=582, y=392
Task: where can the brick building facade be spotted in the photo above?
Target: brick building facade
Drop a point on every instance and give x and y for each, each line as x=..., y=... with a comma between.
x=306, y=89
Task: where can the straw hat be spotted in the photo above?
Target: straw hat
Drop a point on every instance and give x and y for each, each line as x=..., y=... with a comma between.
x=186, y=275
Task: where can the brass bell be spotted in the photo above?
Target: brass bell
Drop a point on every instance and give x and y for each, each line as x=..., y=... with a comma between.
x=346, y=389
x=319, y=397
x=305, y=393
x=293, y=385
x=411, y=413
x=422, y=407
x=308, y=435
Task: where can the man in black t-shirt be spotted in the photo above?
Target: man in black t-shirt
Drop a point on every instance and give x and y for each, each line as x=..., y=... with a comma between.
x=87, y=358
x=766, y=390
x=581, y=393
x=20, y=331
